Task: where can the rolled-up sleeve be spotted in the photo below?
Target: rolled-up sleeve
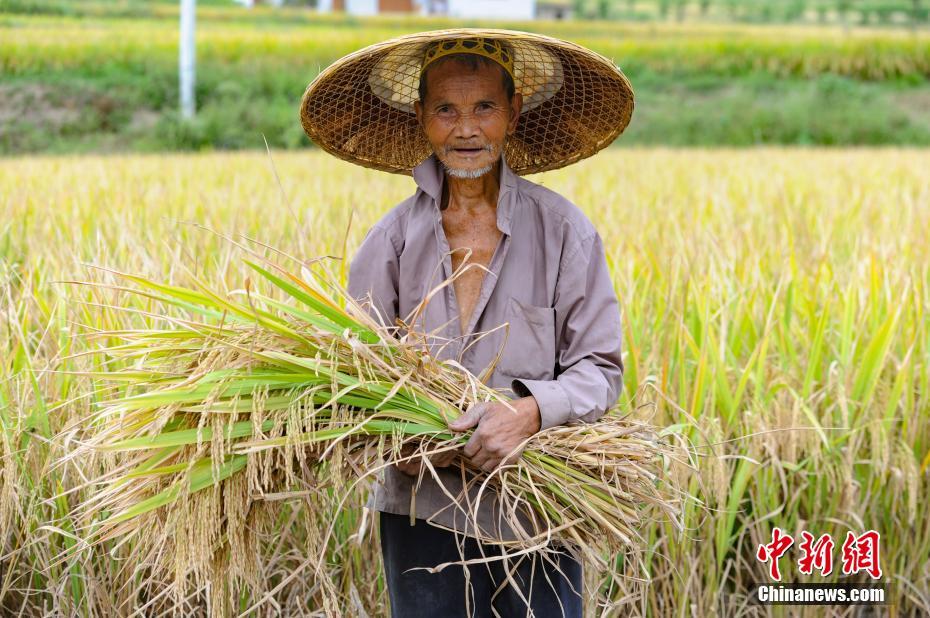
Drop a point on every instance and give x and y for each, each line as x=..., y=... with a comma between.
x=375, y=271
x=589, y=374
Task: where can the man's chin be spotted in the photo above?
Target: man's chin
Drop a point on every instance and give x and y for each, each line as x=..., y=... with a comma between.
x=468, y=173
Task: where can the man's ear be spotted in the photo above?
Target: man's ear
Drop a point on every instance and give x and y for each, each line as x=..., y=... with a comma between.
x=418, y=109
x=516, y=104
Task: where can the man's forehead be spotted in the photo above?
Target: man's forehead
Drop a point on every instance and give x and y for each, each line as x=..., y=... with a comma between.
x=451, y=74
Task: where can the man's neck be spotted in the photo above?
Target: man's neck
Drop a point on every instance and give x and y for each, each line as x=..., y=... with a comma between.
x=468, y=194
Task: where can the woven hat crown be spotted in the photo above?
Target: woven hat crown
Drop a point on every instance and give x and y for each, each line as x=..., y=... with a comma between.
x=481, y=46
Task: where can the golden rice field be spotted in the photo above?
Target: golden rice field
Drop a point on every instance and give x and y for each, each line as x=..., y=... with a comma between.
x=775, y=301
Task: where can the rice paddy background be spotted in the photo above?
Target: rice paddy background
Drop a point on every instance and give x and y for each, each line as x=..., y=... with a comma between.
x=779, y=296
x=102, y=76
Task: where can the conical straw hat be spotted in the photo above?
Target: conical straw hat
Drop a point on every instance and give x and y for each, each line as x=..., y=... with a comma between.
x=575, y=102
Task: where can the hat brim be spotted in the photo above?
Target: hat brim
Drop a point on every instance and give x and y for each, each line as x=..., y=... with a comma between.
x=576, y=102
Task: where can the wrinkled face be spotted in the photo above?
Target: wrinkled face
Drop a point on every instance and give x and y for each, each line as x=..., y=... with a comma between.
x=467, y=117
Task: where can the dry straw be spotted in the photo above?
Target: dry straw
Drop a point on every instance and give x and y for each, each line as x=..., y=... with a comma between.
x=228, y=401
x=575, y=102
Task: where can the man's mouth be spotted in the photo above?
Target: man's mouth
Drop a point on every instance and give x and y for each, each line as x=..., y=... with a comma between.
x=468, y=151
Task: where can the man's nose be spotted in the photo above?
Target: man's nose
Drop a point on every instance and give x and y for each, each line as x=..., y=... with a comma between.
x=466, y=126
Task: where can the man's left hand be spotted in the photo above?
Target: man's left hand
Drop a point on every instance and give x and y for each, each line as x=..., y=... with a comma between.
x=499, y=431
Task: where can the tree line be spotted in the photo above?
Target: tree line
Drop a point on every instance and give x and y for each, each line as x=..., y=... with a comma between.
x=824, y=11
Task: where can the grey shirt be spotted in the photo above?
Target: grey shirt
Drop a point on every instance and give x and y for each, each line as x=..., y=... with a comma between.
x=548, y=279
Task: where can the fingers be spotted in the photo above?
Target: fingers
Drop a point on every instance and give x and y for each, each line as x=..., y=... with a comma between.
x=485, y=460
x=412, y=466
x=513, y=458
x=484, y=456
x=464, y=422
x=470, y=418
x=489, y=457
x=484, y=452
x=477, y=450
x=478, y=453
x=442, y=460
x=472, y=446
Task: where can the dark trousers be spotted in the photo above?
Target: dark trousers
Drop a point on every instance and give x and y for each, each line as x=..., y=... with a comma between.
x=443, y=594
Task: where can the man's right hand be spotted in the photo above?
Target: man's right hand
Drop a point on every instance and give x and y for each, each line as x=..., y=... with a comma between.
x=411, y=467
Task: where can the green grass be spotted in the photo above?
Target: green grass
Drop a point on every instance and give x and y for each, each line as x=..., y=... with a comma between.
x=104, y=83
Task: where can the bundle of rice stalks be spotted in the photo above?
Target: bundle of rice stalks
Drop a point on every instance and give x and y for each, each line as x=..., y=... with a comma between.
x=224, y=400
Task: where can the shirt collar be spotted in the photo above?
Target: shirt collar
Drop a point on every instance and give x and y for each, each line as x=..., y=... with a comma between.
x=429, y=176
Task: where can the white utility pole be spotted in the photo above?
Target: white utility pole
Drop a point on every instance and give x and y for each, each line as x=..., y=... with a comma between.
x=187, y=58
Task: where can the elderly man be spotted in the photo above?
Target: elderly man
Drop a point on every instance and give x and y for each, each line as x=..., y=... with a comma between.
x=537, y=264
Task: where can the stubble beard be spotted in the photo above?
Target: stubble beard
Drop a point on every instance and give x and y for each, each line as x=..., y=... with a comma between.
x=455, y=172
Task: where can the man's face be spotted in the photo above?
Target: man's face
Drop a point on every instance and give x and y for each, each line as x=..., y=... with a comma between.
x=466, y=116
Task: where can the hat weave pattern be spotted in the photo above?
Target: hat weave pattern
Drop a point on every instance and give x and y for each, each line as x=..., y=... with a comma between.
x=575, y=102
x=489, y=48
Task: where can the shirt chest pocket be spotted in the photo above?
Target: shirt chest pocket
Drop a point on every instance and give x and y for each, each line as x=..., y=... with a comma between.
x=530, y=349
